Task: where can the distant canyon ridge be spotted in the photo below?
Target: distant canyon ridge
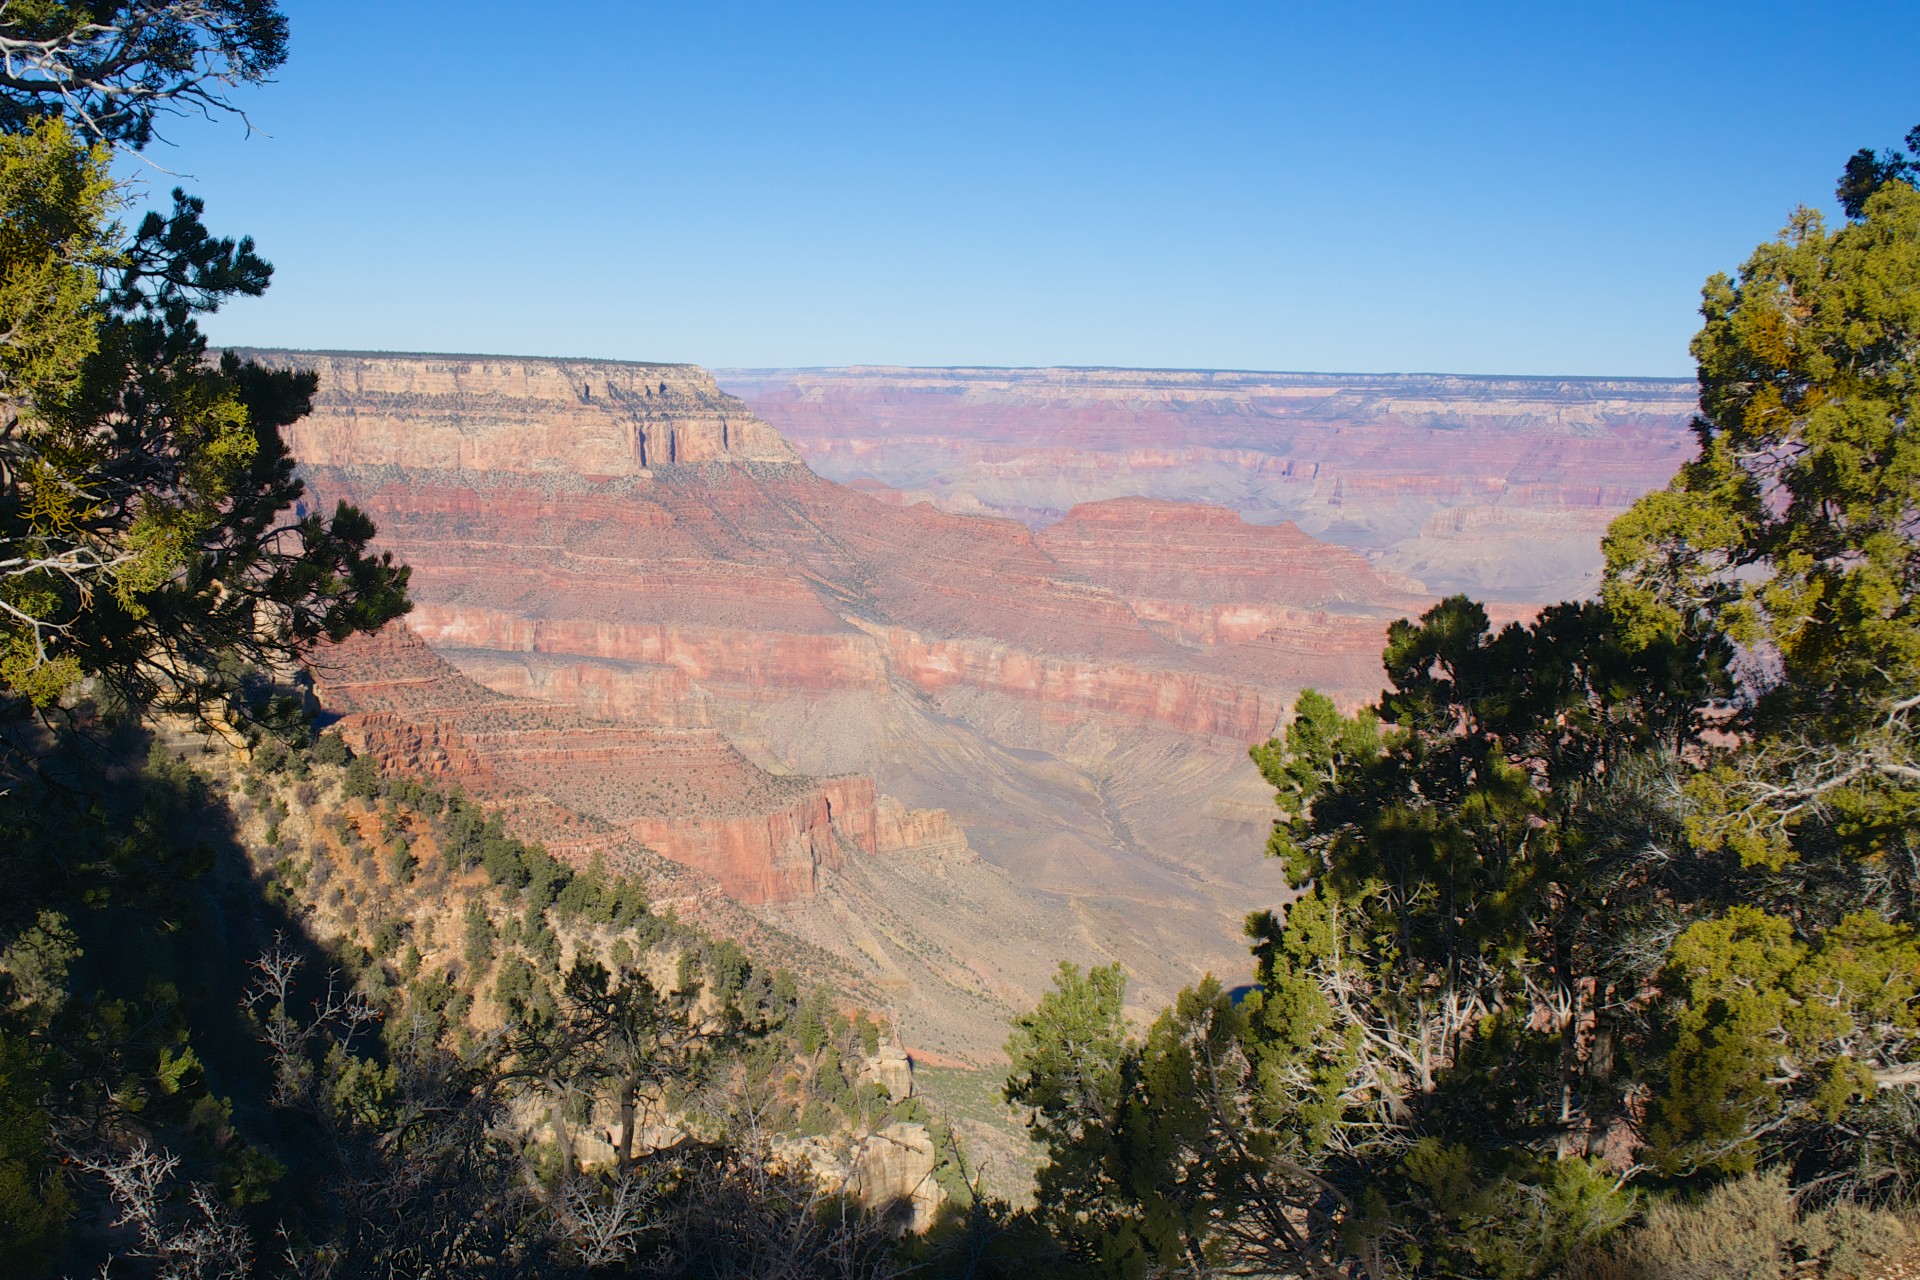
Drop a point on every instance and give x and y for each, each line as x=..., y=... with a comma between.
x=1498, y=487
x=883, y=726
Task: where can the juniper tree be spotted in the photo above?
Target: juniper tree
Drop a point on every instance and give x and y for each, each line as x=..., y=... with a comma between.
x=151, y=532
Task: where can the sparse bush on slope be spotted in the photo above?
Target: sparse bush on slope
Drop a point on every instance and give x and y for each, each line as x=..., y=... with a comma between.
x=1748, y=1227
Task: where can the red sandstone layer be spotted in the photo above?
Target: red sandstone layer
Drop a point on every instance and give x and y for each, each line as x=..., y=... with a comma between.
x=1193, y=553
x=687, y=794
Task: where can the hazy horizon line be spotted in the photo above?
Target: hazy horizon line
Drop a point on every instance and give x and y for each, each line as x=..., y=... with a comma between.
x=765, y=370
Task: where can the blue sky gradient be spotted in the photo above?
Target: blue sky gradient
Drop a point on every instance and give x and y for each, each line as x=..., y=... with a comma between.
x=1483, y=188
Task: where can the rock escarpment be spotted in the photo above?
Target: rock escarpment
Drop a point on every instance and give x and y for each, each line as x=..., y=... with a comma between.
x=891, y=1170
x=500, y=413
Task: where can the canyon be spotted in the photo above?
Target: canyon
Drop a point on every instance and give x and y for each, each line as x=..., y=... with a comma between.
x=886, y=727
x=1499, y=487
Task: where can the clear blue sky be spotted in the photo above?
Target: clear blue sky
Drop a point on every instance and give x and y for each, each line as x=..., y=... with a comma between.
x=1523, y=188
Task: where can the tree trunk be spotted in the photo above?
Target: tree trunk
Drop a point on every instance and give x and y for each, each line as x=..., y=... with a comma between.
x=561, y=1134
x=1570, y=1066
x=629, y=1091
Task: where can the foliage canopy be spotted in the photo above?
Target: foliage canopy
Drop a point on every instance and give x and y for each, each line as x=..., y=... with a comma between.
x=152, y=531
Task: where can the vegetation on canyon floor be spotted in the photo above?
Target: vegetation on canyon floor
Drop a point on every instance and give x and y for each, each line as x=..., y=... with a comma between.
x=1604, y=962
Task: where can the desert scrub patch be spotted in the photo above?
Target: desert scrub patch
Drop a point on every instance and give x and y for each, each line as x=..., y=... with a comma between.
x=1749, y=1228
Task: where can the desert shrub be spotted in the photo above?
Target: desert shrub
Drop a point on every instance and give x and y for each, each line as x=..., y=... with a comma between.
x=729, y=968
x=271, y=755
x=331, y=748
x=362, y=780
x=478, y=947
x=812, y=1024
x=1850, y=1240
x=543, y=943
x=546, y=878
x=648, y=931
x=401, y=863
x=1748, y=1228
x=786, y=988
x=816, y=1119
x=415, y=794
x=465, y=823
x=504, y=860
x=517, y=988
x=386, y=939
x=598, y=898
x=582, y=898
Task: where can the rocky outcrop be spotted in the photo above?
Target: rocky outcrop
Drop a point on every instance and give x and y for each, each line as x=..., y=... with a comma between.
x=648, y=693
x=1191, y=553
x=1263, y=601
x=894, y=1167
x=750, y=583
x=892, y=1070
x=890, y=1171
x=706, y=656
x=1070, y=688
x=927, y=831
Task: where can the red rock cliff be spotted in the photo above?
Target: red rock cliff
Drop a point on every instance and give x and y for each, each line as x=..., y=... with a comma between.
x=687, y=794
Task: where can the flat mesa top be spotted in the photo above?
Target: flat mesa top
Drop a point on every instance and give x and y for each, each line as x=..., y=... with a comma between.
x=465, y=356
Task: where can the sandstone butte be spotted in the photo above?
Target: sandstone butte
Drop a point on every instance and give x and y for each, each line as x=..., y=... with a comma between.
x=1500, y=487
x=944, y=748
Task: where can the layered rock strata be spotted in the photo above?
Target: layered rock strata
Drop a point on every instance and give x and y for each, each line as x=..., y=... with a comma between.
x=686, y=794
x=498, y=413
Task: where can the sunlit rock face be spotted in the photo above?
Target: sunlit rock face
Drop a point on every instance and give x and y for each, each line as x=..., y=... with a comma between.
x=595, y=786
x=943, y=747
x=1499, y=487
x=500, y=414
